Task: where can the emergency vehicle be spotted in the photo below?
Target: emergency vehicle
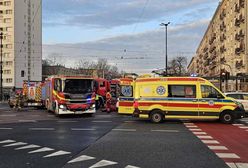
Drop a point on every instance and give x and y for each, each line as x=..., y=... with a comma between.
x=102, y=87
x=30, y=95
x=70, y=95
x=112, y=99
x=179, y=98
x=126, y=97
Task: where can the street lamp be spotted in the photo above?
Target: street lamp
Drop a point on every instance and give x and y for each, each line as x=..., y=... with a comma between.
x=166, y=56
x=1, y=54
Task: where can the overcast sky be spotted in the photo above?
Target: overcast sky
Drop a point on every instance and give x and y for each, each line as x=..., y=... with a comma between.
x=126, y=32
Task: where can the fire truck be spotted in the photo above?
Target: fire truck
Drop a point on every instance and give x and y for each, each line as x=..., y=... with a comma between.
x=103, y=86
x=29, y=96
x=69, y=95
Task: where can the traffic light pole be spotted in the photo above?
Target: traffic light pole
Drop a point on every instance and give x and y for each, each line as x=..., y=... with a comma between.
x=1, y=54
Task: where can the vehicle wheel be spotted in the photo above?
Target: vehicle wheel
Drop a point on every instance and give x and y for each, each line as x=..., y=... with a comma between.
x=156, y=117
x=227, y=118
x=56, y=110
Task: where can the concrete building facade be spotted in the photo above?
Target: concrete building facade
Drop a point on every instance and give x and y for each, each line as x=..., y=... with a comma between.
x=223, y=48
x=21, y=25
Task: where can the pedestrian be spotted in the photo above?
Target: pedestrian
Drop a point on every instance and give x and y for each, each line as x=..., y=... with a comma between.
x=97, y=101
x=108, y=102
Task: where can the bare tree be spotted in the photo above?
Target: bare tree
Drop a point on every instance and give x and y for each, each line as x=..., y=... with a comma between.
x=177, y=66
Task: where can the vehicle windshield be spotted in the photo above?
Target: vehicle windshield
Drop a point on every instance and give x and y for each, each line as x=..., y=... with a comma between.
x=78, y=86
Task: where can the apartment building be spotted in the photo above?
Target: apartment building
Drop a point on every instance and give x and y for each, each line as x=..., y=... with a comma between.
x=224, y=45
x=20, y=23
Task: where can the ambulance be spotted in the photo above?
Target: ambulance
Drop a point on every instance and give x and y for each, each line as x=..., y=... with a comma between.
x=126, y=97
x=180, y=98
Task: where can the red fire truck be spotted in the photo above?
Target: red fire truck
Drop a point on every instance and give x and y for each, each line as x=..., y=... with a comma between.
x=70, y=95
x=103, y=86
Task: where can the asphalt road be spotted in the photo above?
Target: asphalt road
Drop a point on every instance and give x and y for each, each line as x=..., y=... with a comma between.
x=36, y=138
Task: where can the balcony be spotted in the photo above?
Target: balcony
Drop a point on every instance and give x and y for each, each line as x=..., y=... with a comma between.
x=242, y=3
x=222, y=37
x=222, y=49
x=212, y=48
x=237, y=8
x=205, y=56
x=237, y=22
x=222, y=60
x=205, y=49
x=239, y=64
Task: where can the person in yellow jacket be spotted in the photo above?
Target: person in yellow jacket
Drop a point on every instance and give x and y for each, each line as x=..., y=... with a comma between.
x=97, y=101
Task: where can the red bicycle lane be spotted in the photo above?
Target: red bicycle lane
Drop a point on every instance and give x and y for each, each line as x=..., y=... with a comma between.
x=229, y=142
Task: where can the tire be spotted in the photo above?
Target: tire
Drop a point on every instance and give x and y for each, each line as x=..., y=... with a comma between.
x=156, y=116
x=227, y=117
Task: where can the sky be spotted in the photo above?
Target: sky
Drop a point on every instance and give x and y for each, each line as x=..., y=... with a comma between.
x=125, y=32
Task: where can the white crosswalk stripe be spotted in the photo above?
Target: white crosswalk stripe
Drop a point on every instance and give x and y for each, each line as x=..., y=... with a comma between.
x=129, y=166
x=28, y=147
x=15, y=144
x=242, y=165
x=204, y=137
x=7, y=141
x=103, y=163
x=228, y=155
x=210, y=141
x=45, y=149
x=59, y=153
x=218, y=147
x=81, y=159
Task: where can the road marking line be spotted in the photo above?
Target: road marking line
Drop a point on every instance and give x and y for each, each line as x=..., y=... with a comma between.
x=210, y=141
x=35, y=115
x=67, y=121
x=132, y=130
x=45, y=149
x=199, y=133
x=195, y=129
x=103, y=163
x=27, y=147
x=101, y=121
x=191, y=126
x=6, y=128
x=130, y=166
x=8, y=115
x=204, y=137
x=164, y=131
x=188, y=123
x=81, y=159
x=7, y=141
x=42, y=129
x=243, y=127
x=228, y=155
x=237, y=124
x=130, y=121
x=83, y=129
x=59, y=153
x=27, y=120
x=15, y=144
x=231, y=165
x=242, y=165
x=218, y=147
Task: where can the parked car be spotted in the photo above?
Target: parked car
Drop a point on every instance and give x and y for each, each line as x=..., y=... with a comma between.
x=241, y=97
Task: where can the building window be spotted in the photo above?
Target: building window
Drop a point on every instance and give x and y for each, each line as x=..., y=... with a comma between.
x=8, y=12
x=22, y=73
x=8, y=46
x=7, y=72
x=9, y=80
x=7, y=3
x=9, y=63
x=7, y=20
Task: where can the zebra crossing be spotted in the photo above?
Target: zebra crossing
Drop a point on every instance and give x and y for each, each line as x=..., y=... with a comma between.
x=34, y=149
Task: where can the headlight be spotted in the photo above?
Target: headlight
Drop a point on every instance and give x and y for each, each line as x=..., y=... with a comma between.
x=240, y=105
x=93, y=106
x=62, y=106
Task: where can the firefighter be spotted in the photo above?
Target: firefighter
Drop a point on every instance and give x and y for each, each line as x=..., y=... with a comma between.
x=18, y=100
x=108, y=102
x=97, y=101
